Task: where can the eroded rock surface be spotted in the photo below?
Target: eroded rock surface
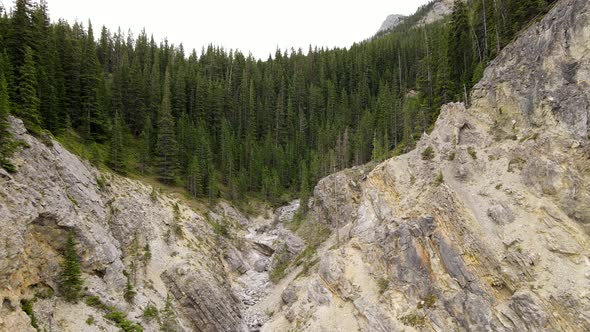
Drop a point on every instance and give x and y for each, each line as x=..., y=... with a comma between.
x=502, y=243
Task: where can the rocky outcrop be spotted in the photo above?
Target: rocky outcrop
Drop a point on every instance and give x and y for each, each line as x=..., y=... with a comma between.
x=117, y=222
x=490, y=235
x=439, y=10
x=391, y=22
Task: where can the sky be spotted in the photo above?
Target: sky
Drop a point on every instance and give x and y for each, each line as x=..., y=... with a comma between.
x=256, y=26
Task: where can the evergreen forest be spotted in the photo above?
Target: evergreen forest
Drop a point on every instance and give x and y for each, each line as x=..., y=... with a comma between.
x=224, y=124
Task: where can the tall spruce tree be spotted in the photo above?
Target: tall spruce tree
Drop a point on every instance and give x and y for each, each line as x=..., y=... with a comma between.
x=166, y=142
x=26, y=99
x=117, y=157
x=460, y=49
x=5, y=137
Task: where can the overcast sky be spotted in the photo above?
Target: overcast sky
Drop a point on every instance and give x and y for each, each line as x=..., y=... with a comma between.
x=256, y=26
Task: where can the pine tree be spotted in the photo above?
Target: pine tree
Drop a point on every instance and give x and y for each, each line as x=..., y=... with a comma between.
x=460, y=48
x=194, y=178
x=5, y=137
x=168, y=317
x=117, y=158
x=93, y=122
x=21, y=35
x=71, y=281
x=146, y=144
x=166, y=142
x=27, y=101
x=304, y=188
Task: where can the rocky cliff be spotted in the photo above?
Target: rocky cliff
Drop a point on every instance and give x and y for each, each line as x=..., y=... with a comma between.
x=391, y=22
x=439, y=10
x=126, y=230
x=484, y=226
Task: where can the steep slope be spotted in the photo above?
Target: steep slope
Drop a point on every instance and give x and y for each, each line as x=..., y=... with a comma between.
x=484, y=226
x=114, y=220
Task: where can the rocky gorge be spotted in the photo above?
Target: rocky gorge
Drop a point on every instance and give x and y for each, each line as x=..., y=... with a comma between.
x=484, y=226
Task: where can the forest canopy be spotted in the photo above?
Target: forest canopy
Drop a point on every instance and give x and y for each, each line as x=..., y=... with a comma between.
x=223, y=123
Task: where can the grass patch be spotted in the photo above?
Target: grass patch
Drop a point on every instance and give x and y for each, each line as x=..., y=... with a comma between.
x=112, y=314
x=7, y=165
x=413, y=319
x=150, y=312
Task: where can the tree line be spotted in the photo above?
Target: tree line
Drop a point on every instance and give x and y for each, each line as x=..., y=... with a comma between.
x=221, y=122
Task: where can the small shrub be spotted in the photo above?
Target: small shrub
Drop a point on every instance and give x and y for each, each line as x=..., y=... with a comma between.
x=150, y=312
x=452, y=156
x=27, y=306
x=220, y=229
x=121, y=321
x=269, y=312
x=178, y=230
x=280, y=269
x=176, y=211
x=439, y=179
x=7, y=165
x=168, y=316
x=94, y=301
x=90, y=320
x=516, y=163
x=101, y=182
x=428, y=153
x=429, y=301
x=129, y=291
x=472, y=152
x=413, y=319
x=114, y=315
x=297, y=221
x=383, y=284
x=154, y=194
x=147, y=253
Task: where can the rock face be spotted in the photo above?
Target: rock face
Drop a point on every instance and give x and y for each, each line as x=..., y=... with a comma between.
x=502, y=243
x=391, y=22
x=439, y=10
x=116, y=222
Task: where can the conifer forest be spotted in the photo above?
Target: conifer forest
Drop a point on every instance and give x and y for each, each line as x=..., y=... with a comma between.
x=225, y=124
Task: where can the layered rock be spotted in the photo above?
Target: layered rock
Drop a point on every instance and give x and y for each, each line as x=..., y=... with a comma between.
x=116, y=221
x=489, y=235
